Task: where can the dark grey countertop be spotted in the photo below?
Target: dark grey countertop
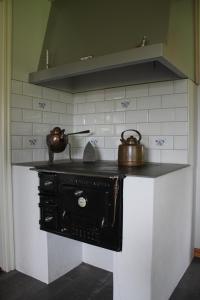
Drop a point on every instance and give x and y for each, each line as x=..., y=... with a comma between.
x=103, y=168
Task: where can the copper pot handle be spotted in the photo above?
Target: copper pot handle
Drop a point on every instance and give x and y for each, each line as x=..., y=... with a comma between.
x=122, y=135
x=85, y=131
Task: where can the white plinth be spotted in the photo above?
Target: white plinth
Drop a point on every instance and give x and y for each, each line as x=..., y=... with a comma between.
x=157, y=226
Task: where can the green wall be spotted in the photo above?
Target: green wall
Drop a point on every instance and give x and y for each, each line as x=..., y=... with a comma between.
x=180, y=43
x=29, y=25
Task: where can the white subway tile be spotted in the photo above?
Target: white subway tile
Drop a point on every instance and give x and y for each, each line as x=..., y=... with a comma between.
x=61, y=155
x=149, y=102
x=161, y=115
x=107, y=154
x=144, y=140
x=66, y=119
x=174, y=156
x=137, y=90
x=79, y=119
x=20, y=101
x=108, y=118
x=75, y=111
x=115, y=93
x=19, y=156
x=65, y=97
x=161, y=88
x=79, y=98
x=44, y=142
x=136, y=116
x=125, y=104
x=96, y=140
x=177, y=100
x=41, y=104
x=41, y=129
x=104, y=130
x=59, y=107
x=84, y=108
x=94, y=96
x=20, y=128
x=118, y=117
x=39, y=154
x=16, y=114
x=32, y=90
x=180, y=86
x=181, y=142
x=174, y=128
x=32, y=116
x=77, y=141
x=70, y=108
x=77, y=153
x=181, y=114
x=112, y=142
x=31, y=142
x=149, y=128
x=68, y=129
x=22, y=156
x=51, y=118
x=161, y=142
x=152, y=155
x=94, y=119
x=120, y=128
x=50, y=94
x=16, y=142
x=104, y=106
x=16, y=87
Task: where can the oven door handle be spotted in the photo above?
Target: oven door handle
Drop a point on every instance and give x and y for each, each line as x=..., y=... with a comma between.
x=48, y=219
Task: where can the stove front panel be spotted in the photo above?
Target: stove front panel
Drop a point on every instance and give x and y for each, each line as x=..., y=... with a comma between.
x=84, y=208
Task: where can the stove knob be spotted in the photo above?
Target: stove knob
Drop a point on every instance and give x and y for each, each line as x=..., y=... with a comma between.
x=64, y=214
x=48, y=219
x=47, y=183
x=78, y=193
x=82, y=202
x=102, y=223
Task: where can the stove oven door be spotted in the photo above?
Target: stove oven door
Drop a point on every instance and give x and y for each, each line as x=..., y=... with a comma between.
x=85, y=212
x=86, y=205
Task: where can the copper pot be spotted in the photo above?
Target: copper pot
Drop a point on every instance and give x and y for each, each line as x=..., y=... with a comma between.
x=57, y=141
x=130, y=152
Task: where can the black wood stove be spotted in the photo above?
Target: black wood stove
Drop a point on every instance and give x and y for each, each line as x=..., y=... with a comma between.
x=84, y=208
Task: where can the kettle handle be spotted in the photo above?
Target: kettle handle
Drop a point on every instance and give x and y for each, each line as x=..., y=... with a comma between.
x=122, y=135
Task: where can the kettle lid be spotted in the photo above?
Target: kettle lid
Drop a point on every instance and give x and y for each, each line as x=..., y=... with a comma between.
x=131, y=140
x=57, y=130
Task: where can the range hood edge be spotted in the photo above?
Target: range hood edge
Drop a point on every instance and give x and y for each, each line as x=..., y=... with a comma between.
x=64, y=77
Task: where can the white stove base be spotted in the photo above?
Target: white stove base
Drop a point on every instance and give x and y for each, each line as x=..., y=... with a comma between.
x=157, y=235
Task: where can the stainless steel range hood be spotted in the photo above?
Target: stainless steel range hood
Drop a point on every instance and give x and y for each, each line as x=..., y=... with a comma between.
x=94, y=44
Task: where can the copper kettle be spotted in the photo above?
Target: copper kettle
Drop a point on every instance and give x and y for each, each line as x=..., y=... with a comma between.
x=57, y=141
x=130, y=152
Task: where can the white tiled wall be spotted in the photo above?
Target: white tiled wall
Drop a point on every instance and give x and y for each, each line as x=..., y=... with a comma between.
x=34, y=112
x=160, y=111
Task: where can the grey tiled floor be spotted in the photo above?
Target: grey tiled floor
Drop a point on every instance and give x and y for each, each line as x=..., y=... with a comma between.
x=189, y=286
x=85, y=283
